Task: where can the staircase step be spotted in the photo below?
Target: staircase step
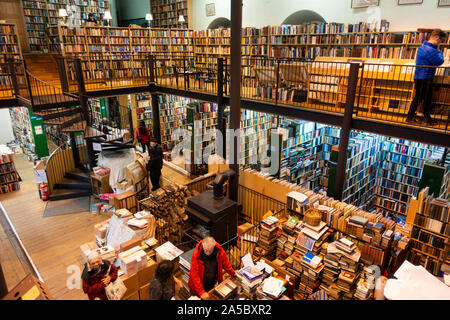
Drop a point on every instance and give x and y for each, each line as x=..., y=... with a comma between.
x=79, y=175
x=66, y=121
x=77, y=127
x=72, y=184
x=63, y=194
x=54, y=114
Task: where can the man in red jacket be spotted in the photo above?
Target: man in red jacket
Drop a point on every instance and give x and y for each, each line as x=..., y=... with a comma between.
x=208, y=261
x=97, y=275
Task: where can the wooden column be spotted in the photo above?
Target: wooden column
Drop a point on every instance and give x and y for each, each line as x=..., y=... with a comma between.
x=345, y=131
x=235, y=97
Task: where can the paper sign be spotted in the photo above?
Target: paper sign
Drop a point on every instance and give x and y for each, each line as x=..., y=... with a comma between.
x=41, y=176
x=38, y=129
x=31, y=294
x=248, y=261
x=97, y=146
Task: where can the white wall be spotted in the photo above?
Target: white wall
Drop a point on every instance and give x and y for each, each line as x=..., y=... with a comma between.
x=6, y=132
x=260, y=13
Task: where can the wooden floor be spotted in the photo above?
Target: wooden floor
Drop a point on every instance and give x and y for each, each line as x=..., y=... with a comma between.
x=53, y=242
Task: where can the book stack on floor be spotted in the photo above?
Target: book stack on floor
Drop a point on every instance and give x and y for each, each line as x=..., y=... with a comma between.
x=250, y=278
x=355, y=226
x=347, y=255
x=268, y=238
x=366, y=284
x=185, y=266
x=386, y=238
x=331, y=269
x=312, y=266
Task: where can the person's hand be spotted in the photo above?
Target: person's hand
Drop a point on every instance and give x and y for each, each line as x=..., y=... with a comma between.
x=205, y=296
x=106, y=280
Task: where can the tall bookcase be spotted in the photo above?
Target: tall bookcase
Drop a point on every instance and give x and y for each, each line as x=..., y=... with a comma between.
x=42, y=17
x=9, y=179
x=399, y=174
x=166, y=13
x=29, y=132
x=430, y=232
x=172, y=115
x=9, y=49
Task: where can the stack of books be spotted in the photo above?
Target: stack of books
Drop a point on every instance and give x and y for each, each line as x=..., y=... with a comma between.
x=312, y=266
x=297, y=202
x=331, y=269
x=386, y=238
x=311, y=238
x=355, y=226
x=226, y=290
x=185, y=266
x=268, y=237
x=366, y=284
x=345, y=283
x=346, y=245
x=250, y=278
x=271, y=289
x=289, y=226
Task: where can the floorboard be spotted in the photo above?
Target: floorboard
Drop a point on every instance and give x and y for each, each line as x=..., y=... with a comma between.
x=53, y=243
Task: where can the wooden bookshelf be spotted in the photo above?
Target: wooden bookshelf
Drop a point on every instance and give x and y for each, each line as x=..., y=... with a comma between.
x=430, y=233
x=172, y=115
x=166, y=13
x=42, y=19
x=9, y=49
x=9, y=179
x=398, y=176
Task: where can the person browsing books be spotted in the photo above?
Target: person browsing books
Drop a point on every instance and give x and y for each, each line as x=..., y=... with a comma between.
x=97, y=274
x=155, y=164
x=208, y=261
x=143, y=136
x=162, y=286
x=428, y=58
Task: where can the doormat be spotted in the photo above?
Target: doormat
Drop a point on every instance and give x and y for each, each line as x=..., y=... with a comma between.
x=68, y=206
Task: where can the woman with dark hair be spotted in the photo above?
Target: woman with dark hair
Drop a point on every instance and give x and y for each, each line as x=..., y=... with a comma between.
x=143, y=136
x=162, y=287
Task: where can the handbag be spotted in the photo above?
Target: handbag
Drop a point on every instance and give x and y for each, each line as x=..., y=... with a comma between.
x=115, y=290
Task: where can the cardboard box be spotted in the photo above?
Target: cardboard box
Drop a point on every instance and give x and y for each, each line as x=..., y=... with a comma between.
x=136, y=171
x=124, y=246
x=133, y=260
x=86, y=248
x=29, y=288
x=131, y=282
x=100, y=229
x=132, y=296
x=146, y=274
x=244, y=227
x=144, y=293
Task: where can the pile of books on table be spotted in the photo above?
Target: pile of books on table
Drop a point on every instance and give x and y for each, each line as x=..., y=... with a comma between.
x=271, y=289
x=185, y=266
x=250, y=278
x=346, y=283
x=226, y=290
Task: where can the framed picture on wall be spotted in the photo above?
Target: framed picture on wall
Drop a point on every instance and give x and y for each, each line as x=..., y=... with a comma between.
x=403, y=2
x=444, y=3
x=210, y=9
x=364, y=3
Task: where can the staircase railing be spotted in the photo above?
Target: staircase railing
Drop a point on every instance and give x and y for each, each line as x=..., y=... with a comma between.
x=62, y=161
x=44, y=93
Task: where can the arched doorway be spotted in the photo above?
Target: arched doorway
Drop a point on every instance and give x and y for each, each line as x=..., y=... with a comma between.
x=220, y=23
x=303, y=16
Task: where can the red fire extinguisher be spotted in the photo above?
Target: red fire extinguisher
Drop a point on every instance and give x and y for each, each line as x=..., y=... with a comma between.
x=43, y=187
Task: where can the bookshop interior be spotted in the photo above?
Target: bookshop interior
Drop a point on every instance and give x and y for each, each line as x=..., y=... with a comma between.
x=224, y=150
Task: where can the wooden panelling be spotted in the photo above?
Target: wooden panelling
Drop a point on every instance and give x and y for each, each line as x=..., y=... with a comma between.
x=12, y=12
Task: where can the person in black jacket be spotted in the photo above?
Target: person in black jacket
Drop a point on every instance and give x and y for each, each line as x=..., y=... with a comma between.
x=155, y=163
x=162, y=286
